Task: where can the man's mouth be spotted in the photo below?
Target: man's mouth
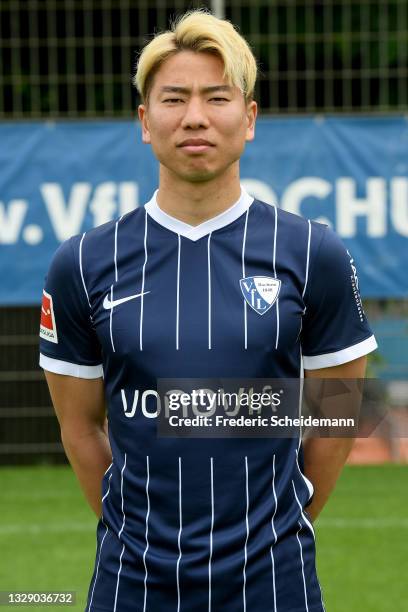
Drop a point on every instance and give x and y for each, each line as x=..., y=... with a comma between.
x=195, y=145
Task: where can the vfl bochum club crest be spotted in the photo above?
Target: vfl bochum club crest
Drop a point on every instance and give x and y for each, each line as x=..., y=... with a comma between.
x=260, y=292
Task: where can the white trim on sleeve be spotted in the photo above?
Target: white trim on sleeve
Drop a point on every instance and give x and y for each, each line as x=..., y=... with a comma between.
x=329, y=360
x=70, y=369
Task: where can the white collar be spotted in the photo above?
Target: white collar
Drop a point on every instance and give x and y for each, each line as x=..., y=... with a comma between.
x=195, y=232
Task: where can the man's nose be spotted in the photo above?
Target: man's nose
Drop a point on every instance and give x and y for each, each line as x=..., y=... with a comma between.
x=195, y=115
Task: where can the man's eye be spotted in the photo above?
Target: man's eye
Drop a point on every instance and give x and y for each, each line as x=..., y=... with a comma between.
x=220, y=99
x=173, y=100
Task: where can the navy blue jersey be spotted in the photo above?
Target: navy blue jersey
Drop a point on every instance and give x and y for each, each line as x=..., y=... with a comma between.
x=256, y=292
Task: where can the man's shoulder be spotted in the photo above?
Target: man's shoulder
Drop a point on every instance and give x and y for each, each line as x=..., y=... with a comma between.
x=97, y=236
x=96, y=247
x=285, y=219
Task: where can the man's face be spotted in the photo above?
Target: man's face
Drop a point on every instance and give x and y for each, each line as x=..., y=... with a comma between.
x=197, y=124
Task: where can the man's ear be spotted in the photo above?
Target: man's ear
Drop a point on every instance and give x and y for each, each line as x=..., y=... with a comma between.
x=251, y=112
x=142, y=112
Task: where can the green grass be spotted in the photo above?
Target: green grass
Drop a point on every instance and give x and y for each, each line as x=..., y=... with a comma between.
x=47, y=537
x=47, y=533
x=362, y=541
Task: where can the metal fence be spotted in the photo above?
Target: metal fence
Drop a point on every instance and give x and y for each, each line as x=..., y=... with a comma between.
x=29, y=430
x=72, y=58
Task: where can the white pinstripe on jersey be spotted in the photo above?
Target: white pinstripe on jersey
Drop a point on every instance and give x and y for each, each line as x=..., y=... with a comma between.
x=82, y=270
x=143, y=285
x=300, y=544
x=115, y=256
x=111, y=318
x=211, y=532
x=247, y=533
x=120, y=533
x=308, y=523
x=303, y=565
x=100, y=548
x=275, y=537
x=307, y=256
x=275, y=236
x=309, y=487
x=178, y=293
x=146, y=532
x=209, y=289
x=277, y=323
x=179, y=540
x=243, y=276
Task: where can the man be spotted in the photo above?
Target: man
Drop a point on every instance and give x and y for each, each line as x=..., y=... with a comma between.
x=202, y=282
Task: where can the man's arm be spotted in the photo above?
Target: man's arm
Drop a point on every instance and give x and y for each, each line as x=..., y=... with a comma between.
x=80, y=407
x=324, y=458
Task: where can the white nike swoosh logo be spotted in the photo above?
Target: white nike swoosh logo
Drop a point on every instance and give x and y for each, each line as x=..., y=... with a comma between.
x=108, y=304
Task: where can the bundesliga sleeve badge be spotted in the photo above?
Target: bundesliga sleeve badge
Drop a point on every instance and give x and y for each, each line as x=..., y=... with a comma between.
x=48, y=329
x=260, y=292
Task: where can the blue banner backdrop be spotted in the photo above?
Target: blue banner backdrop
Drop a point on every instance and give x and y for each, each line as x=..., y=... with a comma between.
x=60, y=179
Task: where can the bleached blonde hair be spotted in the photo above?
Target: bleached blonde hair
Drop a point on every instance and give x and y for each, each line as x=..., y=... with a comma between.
x=199, y=31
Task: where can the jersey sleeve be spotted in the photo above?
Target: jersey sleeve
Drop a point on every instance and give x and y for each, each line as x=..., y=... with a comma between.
x=335, y=329
x=68, y=342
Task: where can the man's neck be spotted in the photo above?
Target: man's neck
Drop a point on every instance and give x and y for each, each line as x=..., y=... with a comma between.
x=195, y=203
